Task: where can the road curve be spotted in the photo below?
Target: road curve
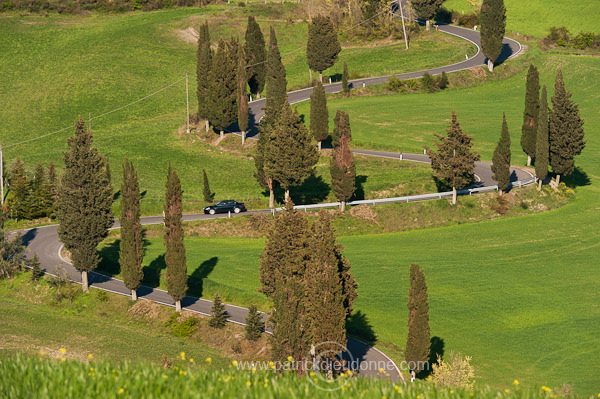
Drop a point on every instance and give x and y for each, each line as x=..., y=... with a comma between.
x=44, y=241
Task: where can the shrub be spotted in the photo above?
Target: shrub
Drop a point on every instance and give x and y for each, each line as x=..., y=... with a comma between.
x=429, y=83
x=468, y=20
x=586, y=40
x=186, y=328
x=456, y=372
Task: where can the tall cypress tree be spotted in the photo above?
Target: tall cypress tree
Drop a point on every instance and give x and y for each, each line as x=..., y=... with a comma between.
x=492, y=18
x=51, y=190
x=19, y=201
x=454, y=162
x=256, y=56
x=84, y=205
x=203, y=67
x=175, y=256
x=323, y=46
x=345, y=86
x=131, y=249
x=531, y=113
x=292, y=156
x=426, y=9
x=319, y=114
x=542, y=150
x=566, y=130
x=418, y=342
x=223, y=86
x=343, y=171
x=501, y=159
x=243, y=115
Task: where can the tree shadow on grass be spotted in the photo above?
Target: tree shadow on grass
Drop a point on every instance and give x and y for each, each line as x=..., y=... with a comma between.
x=109, y=259
x=578, y=178
x=153, y=270
x=196, y=279
x=358, y=325
x=436, y=350
x=359, y=192
x=312, y=191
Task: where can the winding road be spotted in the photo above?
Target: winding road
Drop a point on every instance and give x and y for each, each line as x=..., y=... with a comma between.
x=44, y=241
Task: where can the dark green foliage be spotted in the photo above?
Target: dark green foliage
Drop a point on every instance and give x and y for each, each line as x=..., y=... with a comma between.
x=291, y=157
x=254, y=324
x=343, y=171
x=542, y=150
x=453, y=163
x=36, y=270
x=186, y=328
x=418, y=342
x=256, y=56
x=501, y=158
x=204, y=58
x=429, y=83
x=223, y=85
x=493, y=25
x=175, y=257
x=131, y=247
x=276, y=84
x=207, y=192
x=345, y=86
x=84, y=205
x=12, y=255
x=566, y=130
x=426, y=9
x=322, y=47
x=52, y=183
x=19, y=201
x=531, y=113
x=443, y=81
x=319, y=114
x=218, y=314
x=242, y=94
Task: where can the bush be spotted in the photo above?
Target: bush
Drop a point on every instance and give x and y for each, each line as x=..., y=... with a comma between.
x=456, y=372
x=185, y=328
x=586, y=40
x=429, y=83
x=468, y=20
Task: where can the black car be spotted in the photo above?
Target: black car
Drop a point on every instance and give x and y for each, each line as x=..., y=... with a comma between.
x=225, y=206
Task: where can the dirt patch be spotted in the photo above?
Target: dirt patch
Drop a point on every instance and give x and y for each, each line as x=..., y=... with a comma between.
x=364, y=212
x=145, y=309
x=188, y=35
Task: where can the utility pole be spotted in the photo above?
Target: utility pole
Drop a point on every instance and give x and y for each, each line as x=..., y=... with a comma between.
x=1, y=176
x=187, y=104
x=403, y=25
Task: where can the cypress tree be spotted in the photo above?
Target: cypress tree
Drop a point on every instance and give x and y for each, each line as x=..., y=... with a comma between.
x=84, y=204
x=292, y=156
x=323, y=46
x=243, y=115
x=20, y=188
x=501, y=159
x=343, y=171
x=254, y=324
x=492, y=18
x=131, y=249
x=443, y=81
x=38, y=197
x=207, y=192
x=418, y=343
x=531, y=113
x=256, y=56
x=51, y=191
x=218, y=313
x=319, y=114
x=36, y=270
x=566, y=130
x=426, y=9
x=223, y=86
x=345, y=86
x=454, y=162
x=542, y=151
x=175, y=256
x=204, y=60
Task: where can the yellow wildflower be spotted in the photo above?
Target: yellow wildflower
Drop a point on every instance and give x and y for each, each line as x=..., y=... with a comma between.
x=62, y=359
x=235, y=363
x=182, y=355
x=290, y=358
x=165, y=376
x=546, y=389
x=191, y=360
x=62, y=350
x=120, y=391
x=516, y=382
x=312, y=373
x=90, y=356
x=381, y=370
x=248, y=383
x=507, y=390
x=208, y=359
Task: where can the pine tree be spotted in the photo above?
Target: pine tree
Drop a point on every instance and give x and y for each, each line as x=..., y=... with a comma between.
x=36, y=270
x=343, y=171
x=345, y=86
x=222, y=95
x=531, y=113
x=426, y=9
x=443, y=81
x=292, y=156
x=492, y=18
x=501, y=159
x=19, y=202
x=242, y=101
x=84, y=204
x=38, y=195
x=207, y=192
x=566, y=130
x=254, y=324
x=175, y=256
x=319, y=114
x=323, y=46
x=256, y=56
x=131, y=248
x=218, y=314
x=51, y=190
x=454, y=163
x=418, y=343
x=542, y=151
x=204, y=61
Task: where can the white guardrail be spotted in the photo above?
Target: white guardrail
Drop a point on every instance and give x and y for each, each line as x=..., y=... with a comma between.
x=415, y=198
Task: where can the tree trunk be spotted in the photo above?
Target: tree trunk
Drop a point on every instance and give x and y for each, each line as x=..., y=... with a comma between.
x=321, y=77
x=178, y=306
x=453, y=195
x=342, y=206
x=287, y=194
x=490, y=65
x=243, y=138
x=320, y=145
x=427, y=25
x=557, y=181
x=528, y=160
x=271, y=194
x=257, y=96
x=222, y=134
x=84, y=282
x=500, y=192
x=133, y=295
x=206, y=125
x=539, y=184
